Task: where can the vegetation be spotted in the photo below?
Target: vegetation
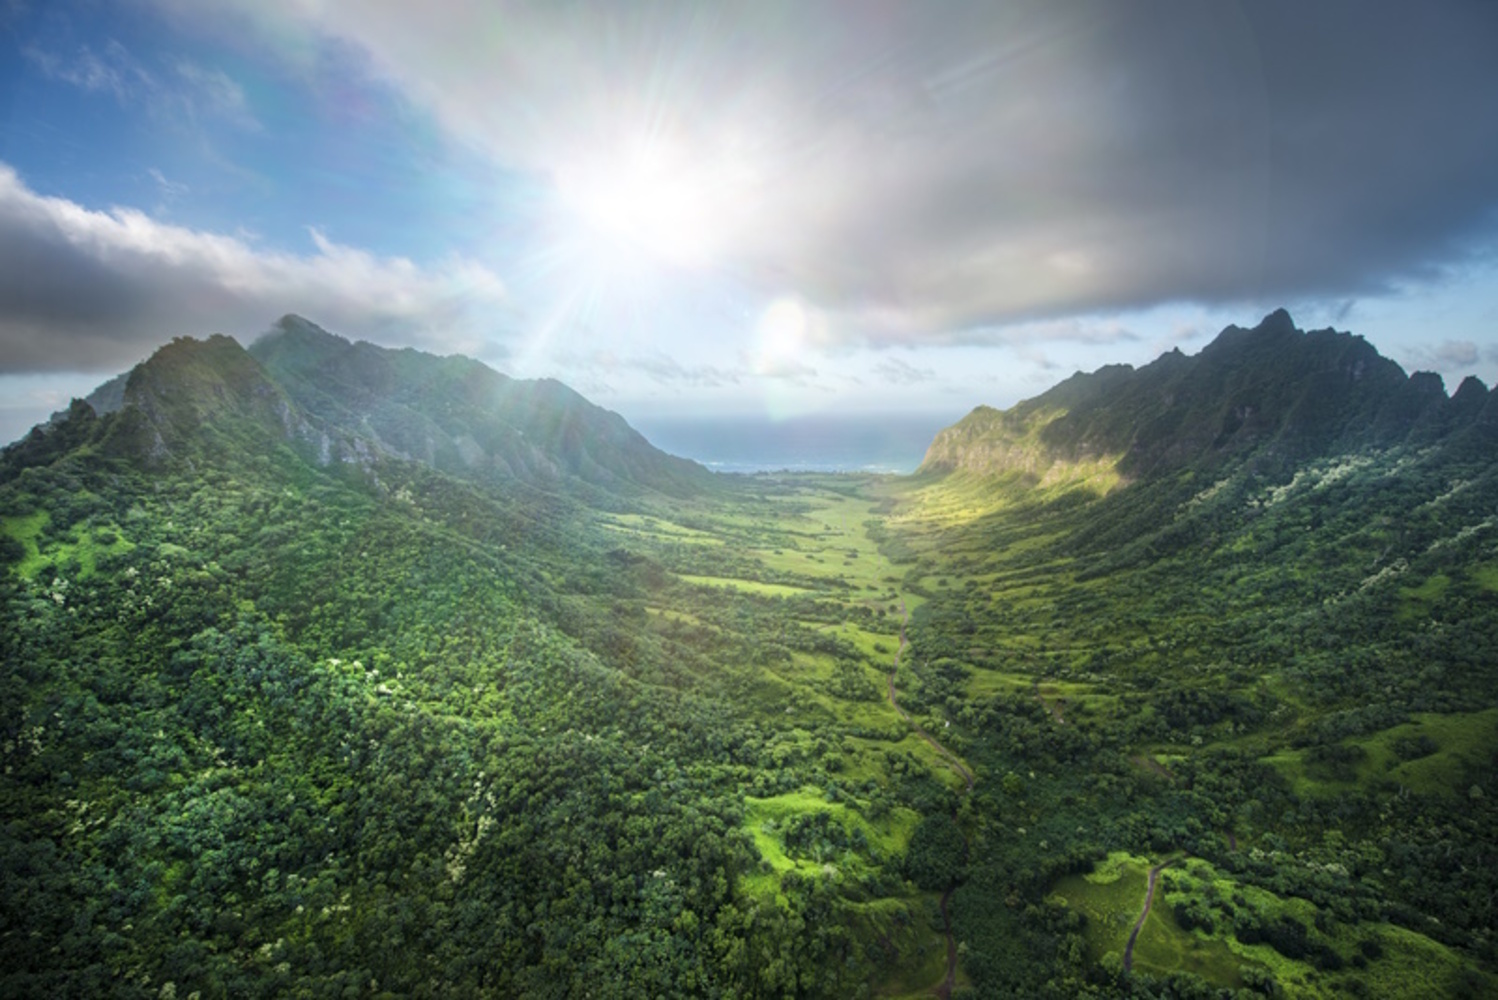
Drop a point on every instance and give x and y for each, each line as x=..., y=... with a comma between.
x=276, y=722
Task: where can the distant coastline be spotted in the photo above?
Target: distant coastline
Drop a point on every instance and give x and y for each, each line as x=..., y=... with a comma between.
x=857, y=443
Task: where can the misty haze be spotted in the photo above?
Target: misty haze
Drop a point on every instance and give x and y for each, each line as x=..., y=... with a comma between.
x=664, y=499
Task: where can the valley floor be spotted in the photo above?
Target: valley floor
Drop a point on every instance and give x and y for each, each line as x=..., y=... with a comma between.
x=1074, y=722
x=801, y=735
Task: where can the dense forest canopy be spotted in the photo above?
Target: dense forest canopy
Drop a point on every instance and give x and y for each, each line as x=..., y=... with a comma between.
x=332, y=670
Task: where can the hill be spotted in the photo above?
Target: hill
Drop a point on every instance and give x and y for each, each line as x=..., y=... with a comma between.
x=1262, y=575
x=1273, y=395
x=329, y=669
x=349, y=403
x=462, y=417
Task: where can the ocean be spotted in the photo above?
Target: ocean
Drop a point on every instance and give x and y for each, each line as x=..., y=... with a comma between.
x=866, y=443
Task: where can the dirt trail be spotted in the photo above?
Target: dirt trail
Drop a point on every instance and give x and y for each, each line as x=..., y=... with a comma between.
x=944, y=991
x=949, y=981
x=1149, y=901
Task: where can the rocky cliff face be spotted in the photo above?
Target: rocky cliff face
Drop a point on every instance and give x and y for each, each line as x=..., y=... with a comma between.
x=1273, y=394
x=462, y=417
x=336, y=402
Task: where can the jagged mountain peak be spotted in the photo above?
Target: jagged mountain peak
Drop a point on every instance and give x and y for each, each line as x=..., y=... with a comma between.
x=191, y=394
x=1272, y=392
x=461, y=416
x=337, y=401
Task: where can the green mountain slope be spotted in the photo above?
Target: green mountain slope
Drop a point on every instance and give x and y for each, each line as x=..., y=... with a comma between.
x=461, y=417
x=286, y=710
x=1273, y=395
x=335, y=670
x=1261, y=578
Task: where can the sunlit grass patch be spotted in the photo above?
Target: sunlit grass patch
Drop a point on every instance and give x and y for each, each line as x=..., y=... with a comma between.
x=1110, y=907
x=880, y=646
x=663, y=537
x=1485, y=576
x=1404, y=962
x=656, y=526
x=1454, y=744
x=876, y=842
x=1465, y=741
x=889, y=835
x=982, y=683
x=81, y=552
x=1417, y=601
x=684, y=617
x=1114, y=866
x=25, y=528
x=1163, y=946
x=916, y=950
x=806, y=668
x=745, y=586
x=1111, y=897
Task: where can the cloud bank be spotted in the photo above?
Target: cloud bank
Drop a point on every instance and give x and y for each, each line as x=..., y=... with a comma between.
x=88, y=290
x=919, y=174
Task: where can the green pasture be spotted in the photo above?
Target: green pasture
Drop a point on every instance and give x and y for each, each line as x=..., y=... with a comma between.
x=1409, y=964
x=1463, y=742
x=659, y=533
x=745, y=586
x=1110, y=899
x=25, y=528
x=79, y=553
x=909, y=930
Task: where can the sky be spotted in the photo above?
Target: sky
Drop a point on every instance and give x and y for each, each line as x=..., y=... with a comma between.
x=762, y=209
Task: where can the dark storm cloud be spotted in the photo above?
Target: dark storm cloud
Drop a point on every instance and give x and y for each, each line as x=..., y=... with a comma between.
x=97, y=291
x=1143, y=153
x=915, y=170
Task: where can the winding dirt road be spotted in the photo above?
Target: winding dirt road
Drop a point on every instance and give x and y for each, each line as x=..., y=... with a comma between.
x=949, y=982
x=1149, y=901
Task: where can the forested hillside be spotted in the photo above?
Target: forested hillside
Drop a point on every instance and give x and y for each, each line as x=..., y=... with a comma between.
x=1234, y=614
x=331, y=670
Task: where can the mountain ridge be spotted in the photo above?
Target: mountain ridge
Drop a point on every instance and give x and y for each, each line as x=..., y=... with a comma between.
x=340, y=402
x=462, y=417
x=1272, y=394
x=284, y=720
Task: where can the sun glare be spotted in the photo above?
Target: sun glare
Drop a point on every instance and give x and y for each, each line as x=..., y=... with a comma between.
x=656, y=201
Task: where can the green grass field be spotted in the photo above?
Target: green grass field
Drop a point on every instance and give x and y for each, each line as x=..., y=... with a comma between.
x=77, y=555
x=745, y=586
x=1463, y=745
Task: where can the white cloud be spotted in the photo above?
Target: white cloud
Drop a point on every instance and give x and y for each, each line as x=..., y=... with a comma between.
x=212, y=93
x=189, y=92
x=88, y=290
x=921, y=177
x=1457, y=353
x=1452, y=358
x=900, y=372
x=170, y=189
x=661, y=369
x=114, y=71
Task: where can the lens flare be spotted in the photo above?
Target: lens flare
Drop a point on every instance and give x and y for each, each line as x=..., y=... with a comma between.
x=656, y=201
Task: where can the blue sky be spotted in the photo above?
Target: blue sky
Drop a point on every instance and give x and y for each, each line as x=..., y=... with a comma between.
x=761, y=209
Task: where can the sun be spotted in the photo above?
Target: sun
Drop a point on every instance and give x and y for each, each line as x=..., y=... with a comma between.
x=653, y=200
